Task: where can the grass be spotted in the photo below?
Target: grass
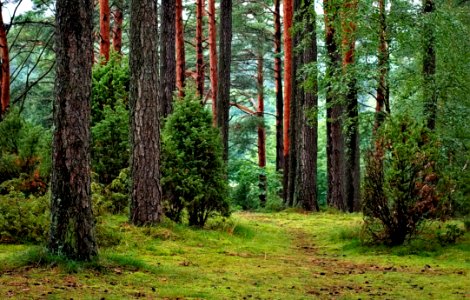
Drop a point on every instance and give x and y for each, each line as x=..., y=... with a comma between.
x=286, y=255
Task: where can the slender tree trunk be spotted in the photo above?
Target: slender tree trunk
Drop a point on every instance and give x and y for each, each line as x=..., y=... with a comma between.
x=104, y=30
x=383, y=95
x=180, y=59
x=213, y=59
x=117, y=30
x=5, y=72
x=307, y=181
x=199, y=49
x=223, y=89
x=146, y=193
x=334, y=112
x=288, y=19
x=167, y=56
x=263, y=186
x=351, y=135
x=278, y=87
x=72, y=222
x=429, y=65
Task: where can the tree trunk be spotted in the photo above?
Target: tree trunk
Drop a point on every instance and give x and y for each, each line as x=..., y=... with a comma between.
x=180, y=59
x=334, y=112
x=429, y=65
x=117, y=31
x=288, y=16
x=167, y=56
x=278, y=87
x=351, y=130
x=5, y=72
x=199, y=49
x=104, y=30
x=223, y=89
x=72, y=222
x=383, y=95
x=213, y=59
x=308, y=136
x=146, y=193
x=261, y=134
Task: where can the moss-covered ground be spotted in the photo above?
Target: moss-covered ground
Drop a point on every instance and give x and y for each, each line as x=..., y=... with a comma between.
x=288, y=255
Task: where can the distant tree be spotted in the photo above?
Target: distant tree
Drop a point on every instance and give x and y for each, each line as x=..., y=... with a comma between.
x=213, y=58
x=429, y=64
x=105, y=42
x=180, y=55
x=167, y=56
x=5, y=71
x=278, y=85
x=146, y=192
x=199, y=48
x=72, y=222
x=118, y=14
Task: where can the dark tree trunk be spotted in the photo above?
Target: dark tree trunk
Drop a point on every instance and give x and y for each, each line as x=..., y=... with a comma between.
x=223, y=89
x=199, y=49
x=278, y=87
x=383, y=95
x=429, y=66
x=261, y=134
x=5, y=71
x=72, y=222
x=334, y=112
x=146, y=193
x=167, y=56
x=180, y=57
x=308, y=136
x=213, y=59
x=117, y=30
x=288, y=76
x=105, y=42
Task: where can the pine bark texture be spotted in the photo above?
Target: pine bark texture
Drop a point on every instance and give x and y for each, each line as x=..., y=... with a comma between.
x=146, y=193
x=278, y=87
x=167, y=56
x=429, y=65
x=383, y=92
x=223, y=89
x=72, y=222
x=180, y=55
x=288, y=77
x=213, y=58
x=5, y=71
x=117, y=29
x=199, y=49
x=105, y=42
x=261, y=133
x=334, y=112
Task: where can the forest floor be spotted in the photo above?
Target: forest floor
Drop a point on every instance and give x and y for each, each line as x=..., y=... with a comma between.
x=288, y=255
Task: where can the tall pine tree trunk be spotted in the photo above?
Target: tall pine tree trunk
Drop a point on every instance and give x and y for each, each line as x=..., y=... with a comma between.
x=180, y=55
x=383, y=94
x=278, y=87
x=146, y=193
x=429, y=65
x=223, y=89
x=288, y=73
x=213, y=58
x=5, y=71
x=199, y=49
x=117, y=30
x=167, y=56
x=261, y=133
x=308, y=136
x=72, y=222
x=105, y=42
x=334, y=112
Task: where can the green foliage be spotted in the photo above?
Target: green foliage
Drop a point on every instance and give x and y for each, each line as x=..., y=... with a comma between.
x=401, y=181
x=192, y=165
x=23, y=219
x=450, y=235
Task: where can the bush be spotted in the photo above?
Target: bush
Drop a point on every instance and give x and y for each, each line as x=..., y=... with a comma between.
x=401, y=180
x=192, y=165
x=450, y=235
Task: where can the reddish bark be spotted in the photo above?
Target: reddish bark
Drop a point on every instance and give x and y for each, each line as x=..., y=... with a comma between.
x=288, y=16
x=199, y=49
x=117, y=30
x=213, y=59
x=383, y=94
x=180, y=57
x=278, y=86
x=261, y=133
x=104, y=29
x=5, y=72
